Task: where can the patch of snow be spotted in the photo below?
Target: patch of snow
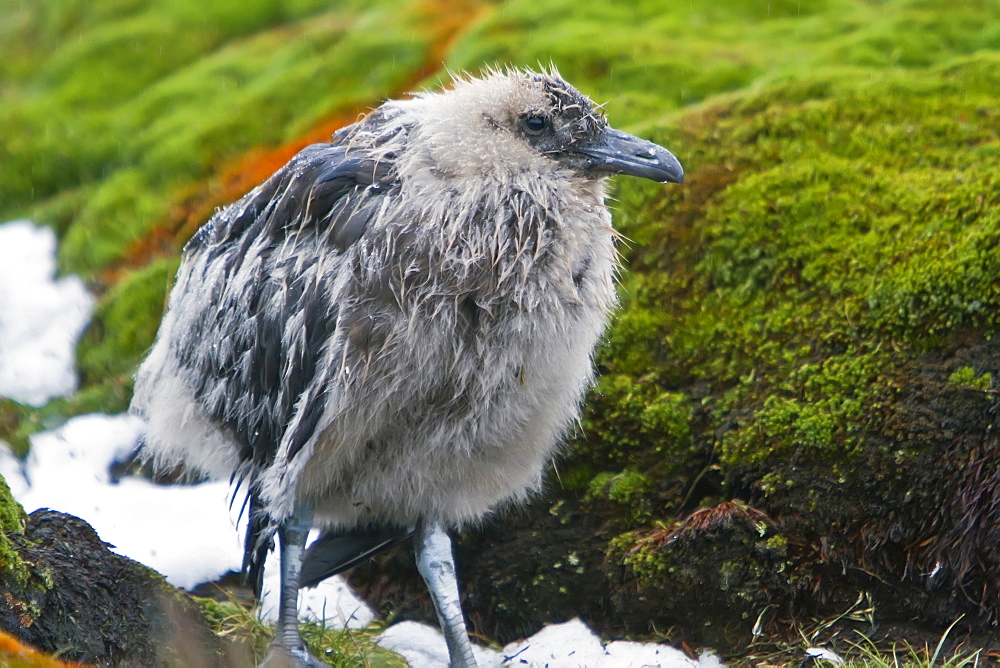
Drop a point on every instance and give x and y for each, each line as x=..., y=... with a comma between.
x=185, y=532
x=41, y=317
x=624, y=653
x=188, y=533
x=424, y=646
x=568, y=645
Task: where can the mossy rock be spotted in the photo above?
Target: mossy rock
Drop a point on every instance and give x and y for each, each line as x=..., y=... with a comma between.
x=12, y=522
x=731, y=555
x=65, y=592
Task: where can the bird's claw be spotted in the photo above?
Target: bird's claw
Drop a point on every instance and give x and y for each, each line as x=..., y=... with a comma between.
x=279, y=656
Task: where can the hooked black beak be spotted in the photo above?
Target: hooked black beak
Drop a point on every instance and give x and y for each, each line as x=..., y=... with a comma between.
x=621, y=153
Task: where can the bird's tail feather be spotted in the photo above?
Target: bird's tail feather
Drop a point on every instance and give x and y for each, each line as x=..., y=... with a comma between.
x=339, y=549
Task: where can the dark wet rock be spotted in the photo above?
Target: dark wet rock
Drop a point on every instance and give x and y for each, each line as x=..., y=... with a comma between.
x=70, y=595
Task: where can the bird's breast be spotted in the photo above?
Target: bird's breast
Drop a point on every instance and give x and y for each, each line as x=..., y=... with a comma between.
x=459, y=379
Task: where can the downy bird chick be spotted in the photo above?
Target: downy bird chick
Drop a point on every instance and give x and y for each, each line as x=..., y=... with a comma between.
x=391, y=335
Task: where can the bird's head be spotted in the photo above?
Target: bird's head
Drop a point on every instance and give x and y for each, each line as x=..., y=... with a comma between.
x=518, y=122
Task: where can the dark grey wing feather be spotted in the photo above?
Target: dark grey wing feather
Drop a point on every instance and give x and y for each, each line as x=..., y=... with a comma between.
x=339, y=549
x=310, y=190
x=250, y=379
x=257, y=543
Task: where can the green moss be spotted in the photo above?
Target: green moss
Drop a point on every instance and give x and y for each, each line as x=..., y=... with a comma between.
x=833, y=231
x=668, y=417
x=823, y=410
x=13, y=417
x=626, y=487
x=12, y=515
x=625, y=414
x=627, y=550
x=117, y=214
x=576, y=478
x=275, y=85
x=125, y=323
x=46, y=152
x=967, y=377
x=629, y=490
x=12, y=521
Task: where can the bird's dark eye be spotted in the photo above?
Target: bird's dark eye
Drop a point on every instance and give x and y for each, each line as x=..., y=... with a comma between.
x=534, y=124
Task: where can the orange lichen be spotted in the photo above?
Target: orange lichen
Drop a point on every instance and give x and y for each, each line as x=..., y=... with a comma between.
x=16, y=654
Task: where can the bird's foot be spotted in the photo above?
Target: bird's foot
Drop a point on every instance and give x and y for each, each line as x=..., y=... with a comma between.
x=279, y=656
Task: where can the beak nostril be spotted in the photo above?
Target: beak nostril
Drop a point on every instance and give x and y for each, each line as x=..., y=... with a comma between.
x=645, y=156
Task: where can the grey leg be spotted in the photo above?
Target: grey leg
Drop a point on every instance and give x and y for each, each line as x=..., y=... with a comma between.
x=288, y=648
x=437, y=566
